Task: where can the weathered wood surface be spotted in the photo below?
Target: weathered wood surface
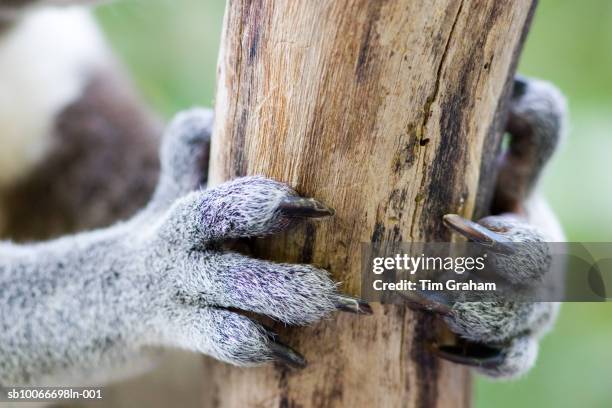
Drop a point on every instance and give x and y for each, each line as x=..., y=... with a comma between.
x=390, y=112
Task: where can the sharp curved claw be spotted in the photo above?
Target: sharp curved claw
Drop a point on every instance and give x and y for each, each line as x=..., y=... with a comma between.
x=353, y=305
x=471, y=354
x=479, y=234
x=428, y=301
x=300, y=207
x=287, y=355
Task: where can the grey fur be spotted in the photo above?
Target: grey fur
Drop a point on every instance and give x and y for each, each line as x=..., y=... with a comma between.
x=103, y=298
x=531, y=260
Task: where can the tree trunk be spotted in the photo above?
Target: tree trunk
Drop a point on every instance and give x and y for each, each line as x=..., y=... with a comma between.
x=391, y=113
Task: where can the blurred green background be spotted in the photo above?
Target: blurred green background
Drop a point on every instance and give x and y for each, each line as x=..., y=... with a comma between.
x=170, y=46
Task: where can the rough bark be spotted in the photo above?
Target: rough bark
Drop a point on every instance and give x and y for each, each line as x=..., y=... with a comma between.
x=390, y=112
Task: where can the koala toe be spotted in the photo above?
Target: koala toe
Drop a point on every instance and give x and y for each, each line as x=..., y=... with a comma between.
x=520, y=253
x=229, y=337
x=245, y=207
x=500, y=339
x=187, y=140
x=292, y=293
x=495, y=322
x=185, y=154
x=536, y=125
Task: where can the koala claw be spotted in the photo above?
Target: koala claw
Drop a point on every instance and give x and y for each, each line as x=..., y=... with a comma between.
x=428, y=302
x=300, y=207
x=508, y=360
x=471, y=354
x=287, y=355
x=475, y=232
x=353, y=305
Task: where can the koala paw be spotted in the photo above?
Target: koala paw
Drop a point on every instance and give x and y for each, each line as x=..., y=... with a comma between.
x=500, y=338
x=204, y=291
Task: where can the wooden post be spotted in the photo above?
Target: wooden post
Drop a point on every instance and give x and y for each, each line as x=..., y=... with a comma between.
x=391, y=113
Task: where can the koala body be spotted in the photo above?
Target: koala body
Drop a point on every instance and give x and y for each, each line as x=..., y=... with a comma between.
x=73, y=131
x=40, y=82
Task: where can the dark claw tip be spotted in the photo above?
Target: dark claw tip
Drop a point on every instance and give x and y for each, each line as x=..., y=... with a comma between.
x=353, y=305
x=429, y=302
x=300, y=207
x=287, y=355
x=479, y=234
x=471, y=354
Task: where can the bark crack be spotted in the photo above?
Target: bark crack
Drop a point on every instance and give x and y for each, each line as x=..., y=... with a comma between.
x=431, y=99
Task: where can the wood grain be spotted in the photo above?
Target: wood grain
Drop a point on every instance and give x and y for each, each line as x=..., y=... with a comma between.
x=388, y=111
